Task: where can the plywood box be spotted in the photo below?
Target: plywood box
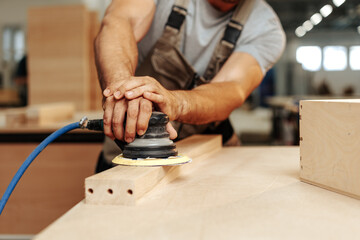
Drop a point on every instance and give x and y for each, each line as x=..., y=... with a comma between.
x=330, y=144
x=61, y=65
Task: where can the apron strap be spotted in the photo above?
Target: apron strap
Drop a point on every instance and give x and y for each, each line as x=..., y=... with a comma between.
x=235, y=26
x=173, y=26
x=227, y=44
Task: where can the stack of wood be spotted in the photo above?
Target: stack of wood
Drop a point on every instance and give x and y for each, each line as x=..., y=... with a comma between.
x=61, y=62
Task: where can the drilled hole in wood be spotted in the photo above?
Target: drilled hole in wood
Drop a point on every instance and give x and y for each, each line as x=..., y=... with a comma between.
x=110, y=191
x=90, y=190
x=130, y=192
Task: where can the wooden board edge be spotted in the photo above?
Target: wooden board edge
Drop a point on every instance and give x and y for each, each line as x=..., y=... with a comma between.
x=330, y=188
x=207, y=145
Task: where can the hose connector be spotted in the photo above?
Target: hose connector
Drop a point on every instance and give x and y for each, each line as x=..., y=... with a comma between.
x=95, y=125
x=83, y=122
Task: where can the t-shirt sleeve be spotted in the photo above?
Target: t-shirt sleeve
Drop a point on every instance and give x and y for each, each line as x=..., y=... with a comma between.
x=263, y=36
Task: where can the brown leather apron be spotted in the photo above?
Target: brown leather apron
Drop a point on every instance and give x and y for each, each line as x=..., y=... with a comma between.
x=167, y=64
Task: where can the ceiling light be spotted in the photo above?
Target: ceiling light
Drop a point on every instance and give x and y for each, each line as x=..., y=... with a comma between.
x=326, y=10
x=316, y=18
x=338, y=3
x=307, y=25
x=300, y=31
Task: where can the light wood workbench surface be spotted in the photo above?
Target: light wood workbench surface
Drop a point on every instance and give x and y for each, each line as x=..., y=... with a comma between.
x=237, y=193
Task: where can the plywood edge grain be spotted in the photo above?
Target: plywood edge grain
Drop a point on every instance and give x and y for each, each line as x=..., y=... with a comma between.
x=125, y=185
x=329, y=188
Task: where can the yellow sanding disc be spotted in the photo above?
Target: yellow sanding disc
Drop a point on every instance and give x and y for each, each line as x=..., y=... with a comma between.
x=151, y=162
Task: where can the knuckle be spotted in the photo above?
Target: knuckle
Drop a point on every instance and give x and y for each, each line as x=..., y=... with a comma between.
x=108, y=100
x=145, y=106
x=148, y=78
x=116, y=123
x=132, y=113
x=107, y=120
x=122, y=88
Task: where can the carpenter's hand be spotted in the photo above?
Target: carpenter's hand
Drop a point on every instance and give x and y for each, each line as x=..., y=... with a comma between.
x=138, y=112
x=152, y=90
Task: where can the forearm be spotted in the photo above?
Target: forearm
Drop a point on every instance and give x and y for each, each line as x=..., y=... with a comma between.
x=116, y=51
x=125, y=23
x=210, y=102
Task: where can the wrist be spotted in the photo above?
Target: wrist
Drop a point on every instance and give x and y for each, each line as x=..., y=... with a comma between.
x=181, y=108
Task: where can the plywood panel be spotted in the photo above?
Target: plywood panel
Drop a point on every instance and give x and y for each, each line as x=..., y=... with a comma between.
x=51, y=185
x=329, y=144
x=58, y=53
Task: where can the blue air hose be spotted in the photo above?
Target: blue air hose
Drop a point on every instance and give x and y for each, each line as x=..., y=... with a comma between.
x=84, y=123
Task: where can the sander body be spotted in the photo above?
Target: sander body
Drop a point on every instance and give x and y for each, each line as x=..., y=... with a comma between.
x=154, y=148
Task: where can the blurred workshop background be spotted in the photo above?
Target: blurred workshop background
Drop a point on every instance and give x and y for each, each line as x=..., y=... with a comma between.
x=48, y=78
x=46, y=56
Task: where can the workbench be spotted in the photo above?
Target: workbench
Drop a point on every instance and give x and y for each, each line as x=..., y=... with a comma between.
x=236, y=193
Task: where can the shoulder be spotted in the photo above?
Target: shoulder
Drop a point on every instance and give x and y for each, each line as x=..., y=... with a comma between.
x=263, y=36
x=262, y=19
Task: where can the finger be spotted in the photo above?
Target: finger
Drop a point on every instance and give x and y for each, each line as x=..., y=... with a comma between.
x=131, y=120
x=118, y=119
x=139, y=91
x=154, y=97
x=107, y=92
x=145, y=111
x=128, y=85
x=171, y=130
x=107, y=117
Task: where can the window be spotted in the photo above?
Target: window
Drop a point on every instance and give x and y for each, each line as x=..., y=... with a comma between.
x=13, y=43
x=335, y=58
x=309, y=57
x=355, y=58
x=13, y=49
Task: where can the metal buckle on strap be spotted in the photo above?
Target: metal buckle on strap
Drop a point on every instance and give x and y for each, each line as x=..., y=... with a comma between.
x=177, y=17
x=232, y=32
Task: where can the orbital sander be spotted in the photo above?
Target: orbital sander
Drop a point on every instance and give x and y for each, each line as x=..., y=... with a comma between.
x=154, y=148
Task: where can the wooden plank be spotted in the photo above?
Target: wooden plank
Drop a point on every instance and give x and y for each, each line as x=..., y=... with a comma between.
x=21, y=128
x=51, y=186
x=126, y=185
x=329, y=145
x=58, y=53
x=45, y=114
x=237, y=193
x=95, y=90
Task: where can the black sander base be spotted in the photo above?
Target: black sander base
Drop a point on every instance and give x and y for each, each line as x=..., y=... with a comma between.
x=155, y=143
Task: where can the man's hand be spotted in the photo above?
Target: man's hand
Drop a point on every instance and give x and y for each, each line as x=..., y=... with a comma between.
x=152, y=90
x=138, y=112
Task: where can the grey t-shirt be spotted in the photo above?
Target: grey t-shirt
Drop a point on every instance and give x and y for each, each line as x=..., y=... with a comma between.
x=262, y=36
